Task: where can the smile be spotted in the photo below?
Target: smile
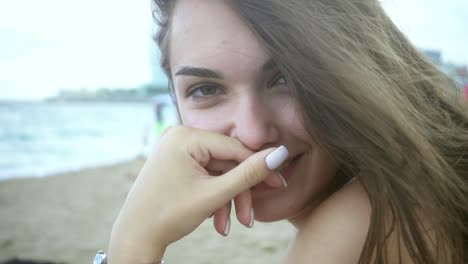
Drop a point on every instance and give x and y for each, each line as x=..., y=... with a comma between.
x=287, y=170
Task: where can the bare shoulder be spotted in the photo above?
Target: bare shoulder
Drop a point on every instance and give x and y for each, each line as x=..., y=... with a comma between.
x=335, y=232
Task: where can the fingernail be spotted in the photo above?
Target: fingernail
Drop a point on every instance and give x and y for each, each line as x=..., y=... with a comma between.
x=276, y=158
x=285, y=183
x=252, y=218
x=228, y=227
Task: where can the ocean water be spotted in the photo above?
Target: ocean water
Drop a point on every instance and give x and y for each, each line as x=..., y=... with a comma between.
x=39, y=139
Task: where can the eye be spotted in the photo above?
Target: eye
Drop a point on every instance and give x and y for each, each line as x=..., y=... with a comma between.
x=279, y=81
x=205, y=90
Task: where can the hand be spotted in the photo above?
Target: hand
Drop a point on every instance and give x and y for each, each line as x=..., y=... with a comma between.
x=243, y=201
x=174, y=193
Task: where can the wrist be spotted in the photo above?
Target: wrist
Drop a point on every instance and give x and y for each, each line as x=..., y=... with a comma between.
x=133, y=246
x=124, y=250
x=137, y=256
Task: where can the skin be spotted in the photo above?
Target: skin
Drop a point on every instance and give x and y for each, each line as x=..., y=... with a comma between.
x=219, y=155
x=247, y=101
x=160, y=210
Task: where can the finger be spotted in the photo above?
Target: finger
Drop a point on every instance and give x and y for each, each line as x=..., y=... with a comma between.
x=244, y=210
x=222, y=221
x=250, y=172
x=276, y=180
x=204, y=146
x=218, y=167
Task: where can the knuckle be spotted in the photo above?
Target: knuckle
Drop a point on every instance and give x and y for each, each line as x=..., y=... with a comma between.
x=251, y=174
x=178, y=134
x=169, y=132
x=237, y=143
x=172, y=136
x=166, y=130
x=176, y=130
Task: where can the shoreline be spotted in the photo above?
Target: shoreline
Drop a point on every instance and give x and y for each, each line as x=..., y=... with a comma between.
x=67, y=217
x=80, y=169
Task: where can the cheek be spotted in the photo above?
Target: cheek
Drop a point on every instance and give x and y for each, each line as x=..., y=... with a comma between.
x=203, y=119
x=290, y=117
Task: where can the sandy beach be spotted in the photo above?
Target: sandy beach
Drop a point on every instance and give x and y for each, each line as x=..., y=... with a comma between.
x=66, y=218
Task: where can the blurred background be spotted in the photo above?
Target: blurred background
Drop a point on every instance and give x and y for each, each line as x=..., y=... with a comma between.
x=82, y=99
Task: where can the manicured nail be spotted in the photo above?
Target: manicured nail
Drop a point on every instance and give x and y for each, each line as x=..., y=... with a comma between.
x=276, y=158
x=285, y=183
x=228, y=227
x=252, y=218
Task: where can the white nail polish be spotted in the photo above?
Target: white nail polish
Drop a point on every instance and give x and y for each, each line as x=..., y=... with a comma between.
x=285, y=183
x=252, y=218
x=228, y=227
x=276, y=158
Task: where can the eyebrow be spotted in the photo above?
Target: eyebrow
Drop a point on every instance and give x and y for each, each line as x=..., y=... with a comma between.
x=199, y=72
x=207, y=73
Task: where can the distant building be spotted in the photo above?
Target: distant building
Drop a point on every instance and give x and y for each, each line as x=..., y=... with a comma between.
x=103, y=95
x=435, y=56
x=461, y=75
x=457, y=72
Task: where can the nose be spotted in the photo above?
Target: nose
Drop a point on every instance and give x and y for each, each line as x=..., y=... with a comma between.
x=253, y=122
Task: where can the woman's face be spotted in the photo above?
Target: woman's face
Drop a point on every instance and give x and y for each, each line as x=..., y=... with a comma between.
x=226, y=82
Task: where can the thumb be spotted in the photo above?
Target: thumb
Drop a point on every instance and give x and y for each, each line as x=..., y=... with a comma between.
x=251, y=171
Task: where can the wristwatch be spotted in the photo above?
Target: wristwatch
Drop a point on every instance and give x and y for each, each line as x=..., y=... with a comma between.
x=101, y=258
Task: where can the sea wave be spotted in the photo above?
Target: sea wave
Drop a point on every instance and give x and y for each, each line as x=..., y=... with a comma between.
x=39, y=139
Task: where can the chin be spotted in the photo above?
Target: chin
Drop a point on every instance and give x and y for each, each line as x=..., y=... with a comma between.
x=309, y=178
x=275, y=206
x=286, y=203
x=268, y=217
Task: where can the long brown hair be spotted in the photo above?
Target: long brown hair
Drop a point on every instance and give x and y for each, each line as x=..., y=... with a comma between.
x=382, y=110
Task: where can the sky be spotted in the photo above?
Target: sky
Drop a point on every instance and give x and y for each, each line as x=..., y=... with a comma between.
x=50, y=45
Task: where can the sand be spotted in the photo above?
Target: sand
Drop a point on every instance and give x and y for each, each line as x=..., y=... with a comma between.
x=68, y=217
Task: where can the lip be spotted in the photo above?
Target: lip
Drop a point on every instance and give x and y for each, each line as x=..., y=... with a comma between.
x=286, y=173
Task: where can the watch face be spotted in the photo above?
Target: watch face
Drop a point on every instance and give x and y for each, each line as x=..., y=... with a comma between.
x=100, y=258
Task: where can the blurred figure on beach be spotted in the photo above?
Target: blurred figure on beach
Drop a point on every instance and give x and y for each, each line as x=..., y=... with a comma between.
x=164, y=115
x=161, y=105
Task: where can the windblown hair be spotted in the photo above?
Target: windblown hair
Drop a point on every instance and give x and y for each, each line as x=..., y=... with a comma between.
x=380, y=108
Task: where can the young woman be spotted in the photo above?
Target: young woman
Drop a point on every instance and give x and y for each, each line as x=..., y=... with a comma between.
x=377, y=138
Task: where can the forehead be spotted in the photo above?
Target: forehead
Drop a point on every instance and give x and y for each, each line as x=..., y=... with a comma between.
x=202, y=32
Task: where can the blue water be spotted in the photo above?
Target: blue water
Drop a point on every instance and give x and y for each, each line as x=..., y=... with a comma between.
x=38, y=139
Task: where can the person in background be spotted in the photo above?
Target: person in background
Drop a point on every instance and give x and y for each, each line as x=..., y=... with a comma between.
x=466, y=91
x=318, y=112
x=159, y=104
x=145, y=140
